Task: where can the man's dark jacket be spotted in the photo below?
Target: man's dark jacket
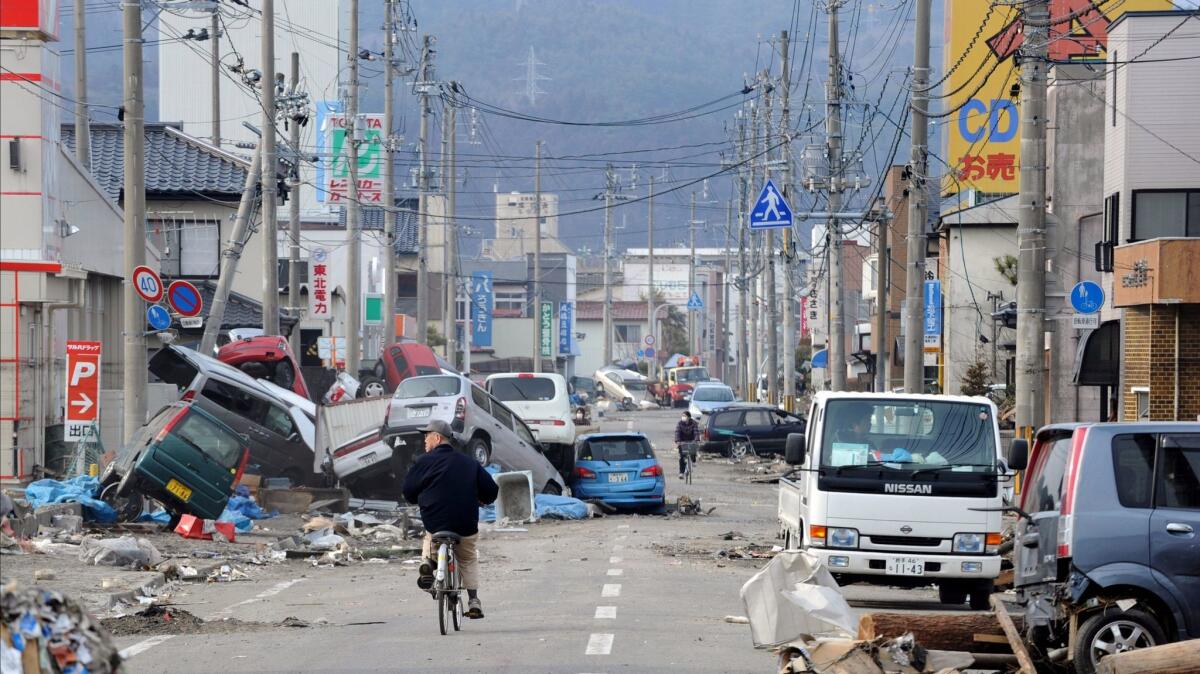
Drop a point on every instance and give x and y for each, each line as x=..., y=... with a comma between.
x=687, y=430
x=449, y=486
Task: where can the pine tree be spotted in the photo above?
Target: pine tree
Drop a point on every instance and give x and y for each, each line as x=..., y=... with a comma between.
x=975, y=379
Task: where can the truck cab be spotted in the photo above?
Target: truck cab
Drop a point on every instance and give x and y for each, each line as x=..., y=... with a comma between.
x=899, y=489
x=680, y=381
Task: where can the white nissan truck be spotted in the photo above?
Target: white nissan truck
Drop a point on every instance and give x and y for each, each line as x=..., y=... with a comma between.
x=899, y=489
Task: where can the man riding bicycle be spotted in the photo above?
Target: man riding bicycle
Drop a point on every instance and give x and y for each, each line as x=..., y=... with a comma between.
x=449, y=486
x=687, y=430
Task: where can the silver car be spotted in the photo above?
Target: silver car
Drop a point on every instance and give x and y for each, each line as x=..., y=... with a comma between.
x=485, y=428
x=709, y=396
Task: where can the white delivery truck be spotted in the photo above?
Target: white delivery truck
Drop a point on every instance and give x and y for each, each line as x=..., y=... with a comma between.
x=899, y=489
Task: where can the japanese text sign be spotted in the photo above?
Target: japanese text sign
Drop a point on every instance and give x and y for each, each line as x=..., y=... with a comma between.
x=319, y=290
x=83, y=389
x=482, y=296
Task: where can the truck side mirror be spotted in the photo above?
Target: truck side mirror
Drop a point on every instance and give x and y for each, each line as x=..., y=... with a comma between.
x=1018, y=454
x=794, y=449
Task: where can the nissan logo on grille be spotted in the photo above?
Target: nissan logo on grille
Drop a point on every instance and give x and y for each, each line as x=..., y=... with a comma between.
x=906, y=529
x=905, y=488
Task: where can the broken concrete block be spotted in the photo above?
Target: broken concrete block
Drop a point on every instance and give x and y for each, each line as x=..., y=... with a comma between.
x=515, y=503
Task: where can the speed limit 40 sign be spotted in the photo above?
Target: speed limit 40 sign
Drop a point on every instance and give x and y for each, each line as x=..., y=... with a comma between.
x=147, y=284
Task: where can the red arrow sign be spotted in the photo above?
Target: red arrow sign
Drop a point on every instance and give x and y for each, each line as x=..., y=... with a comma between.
x=83, y=389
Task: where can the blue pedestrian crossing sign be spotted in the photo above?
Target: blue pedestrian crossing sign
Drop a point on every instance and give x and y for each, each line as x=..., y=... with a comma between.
x=694, y=302
x=771, y=210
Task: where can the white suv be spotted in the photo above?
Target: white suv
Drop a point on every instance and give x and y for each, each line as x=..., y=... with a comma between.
x=543, y=402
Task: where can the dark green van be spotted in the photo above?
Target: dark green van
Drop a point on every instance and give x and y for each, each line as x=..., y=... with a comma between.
x=185, y=458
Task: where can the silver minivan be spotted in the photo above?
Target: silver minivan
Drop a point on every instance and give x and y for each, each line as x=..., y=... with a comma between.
x=487, y=430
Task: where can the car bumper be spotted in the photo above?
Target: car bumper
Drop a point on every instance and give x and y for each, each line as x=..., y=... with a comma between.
x=874, y=563
x=363, y=463
x=554, y=435
x=626, y=496
x=410, y=426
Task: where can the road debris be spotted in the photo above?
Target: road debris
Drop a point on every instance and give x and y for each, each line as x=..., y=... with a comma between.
x=126, y=551
x=689, y=506
x=56, y=628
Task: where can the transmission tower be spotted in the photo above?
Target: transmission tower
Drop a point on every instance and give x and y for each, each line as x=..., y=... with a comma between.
x=532, y=77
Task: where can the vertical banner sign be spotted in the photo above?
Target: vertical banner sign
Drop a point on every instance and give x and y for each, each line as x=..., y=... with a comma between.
x=481, y=308
x=566, y=320
x=318, y=285
x=333, y=172
x=547, y=318
x=933, y=315
x=83, y=389
x=982, y=135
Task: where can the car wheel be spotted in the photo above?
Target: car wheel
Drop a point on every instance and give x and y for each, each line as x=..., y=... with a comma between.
x=1114, y=631
x=980, y=595
x=952, y=593
x=738, y=450
x=552, y=488
x=372, y=387
x=124, y=499
x=480, y=451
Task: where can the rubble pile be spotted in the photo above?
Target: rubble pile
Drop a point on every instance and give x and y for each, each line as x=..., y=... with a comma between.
x=52, y=633
x=338, y=540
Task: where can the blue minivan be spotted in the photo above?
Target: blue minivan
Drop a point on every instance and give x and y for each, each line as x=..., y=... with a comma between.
x=619, y=469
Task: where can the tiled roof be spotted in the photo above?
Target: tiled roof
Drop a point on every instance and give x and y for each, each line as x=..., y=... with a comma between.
x=176, y=163
x=240, y=311
x=406, y=226
x=621, y=311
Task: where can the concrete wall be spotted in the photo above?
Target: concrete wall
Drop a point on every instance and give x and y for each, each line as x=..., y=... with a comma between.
x=970, y=275
x=1075, y=104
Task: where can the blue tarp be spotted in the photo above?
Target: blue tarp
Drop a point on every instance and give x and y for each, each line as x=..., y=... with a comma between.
x=82, y=490
x=548, y=507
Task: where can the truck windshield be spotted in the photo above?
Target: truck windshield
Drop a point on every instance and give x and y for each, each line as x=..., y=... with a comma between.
x=715, y=394
x=427, y=387
x=634, y=385
x=692, y=374
x=902, y=435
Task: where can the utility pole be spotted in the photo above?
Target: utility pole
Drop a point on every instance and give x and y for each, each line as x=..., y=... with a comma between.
x=445, y=170
x=134, y=375
x=833, y=132
x=789, y=288
x=294, y=210
x=270, y=184
x=214, y=56
x=232, y=255
x=537, y=257
x=724, y=326
x=83, y=130
x=389, y=176
x=353, y=208
x=693, y=338
x=451, y=273
x=1031, y=223
x=610, y=180
x=652, y=370
x=743, y=368
x=879, y=336
x=423, y=182
x=914, y=282
x=755, y=349
x=772, y=321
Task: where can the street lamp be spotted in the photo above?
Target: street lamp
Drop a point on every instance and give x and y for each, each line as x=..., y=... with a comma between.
x=657, y=341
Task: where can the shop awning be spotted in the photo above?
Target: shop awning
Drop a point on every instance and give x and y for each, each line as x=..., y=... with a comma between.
x=1098, y=360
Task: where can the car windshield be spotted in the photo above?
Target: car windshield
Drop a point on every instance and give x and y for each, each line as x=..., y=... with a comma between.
x=428, y=387
x=427, y=369
x=634, y=385
x=890, y=434
x=216, y=442
x=520, y=389
x=583, y=384
x=615, y=449
x=692, y=374
x=714, y=394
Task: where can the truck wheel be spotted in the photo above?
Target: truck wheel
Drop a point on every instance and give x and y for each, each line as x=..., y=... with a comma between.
x=952, y=593
x=981, y=593
x=480, y=451
x=372, y=387
x=1114, y=631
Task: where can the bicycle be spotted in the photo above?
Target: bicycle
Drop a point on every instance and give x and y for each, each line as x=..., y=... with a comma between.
x=447, y=582
x=688, y=451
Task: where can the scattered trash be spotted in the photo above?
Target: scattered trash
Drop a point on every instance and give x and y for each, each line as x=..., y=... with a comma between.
x=686, y=505
x=226, y=574
x=58, y=629
x=191, y=526
x=510, y=530
x=44, y=574
x=737, y=619
x=793, y=598
x=124, y=551
x=83, y=490
x=324, y=539
x=174, y=570
x=293, y=621
x=733, y=536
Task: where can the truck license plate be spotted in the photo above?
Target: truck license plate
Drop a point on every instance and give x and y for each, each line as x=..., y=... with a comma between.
x=905, y=566
x=418, y=412
x=180, y=490
x=618, y=477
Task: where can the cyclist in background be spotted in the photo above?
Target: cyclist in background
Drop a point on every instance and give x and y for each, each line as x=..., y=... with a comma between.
x=685, y=431
x=449, y=486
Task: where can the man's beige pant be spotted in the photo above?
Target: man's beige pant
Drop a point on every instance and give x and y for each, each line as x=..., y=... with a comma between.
x=468, y=559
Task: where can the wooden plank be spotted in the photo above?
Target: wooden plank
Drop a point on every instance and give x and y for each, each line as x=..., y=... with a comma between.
x=990, y=638
x=1181, y=657
x=1014, y=638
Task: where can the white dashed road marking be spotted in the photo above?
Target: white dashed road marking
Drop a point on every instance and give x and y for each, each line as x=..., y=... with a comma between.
x=615, y=560
x=622, y=526
x=143, y=646
x=611, y=590
x=616, y=572
x=599, y=644
x=606, y=613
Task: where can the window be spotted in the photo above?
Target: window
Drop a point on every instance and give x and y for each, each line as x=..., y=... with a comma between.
x=616, y=449
x=510, y=302
x=427, y=387
x=502, y=414
x=1141, y=396
x=1112, y=229
x=189, y=246
x=628, y=334
x=399, y=361
x=277, y=420
x=210, y=439
x=1165, y=213
x=715, y=394
x=1133, y=463
x=523, y=433
x=237, y=401
x=1044, y=491
x=858, y=433
x=757, y=418
x=1113, y=97
x=522, y=388
x=406, y=285
x=481, y=400
x=283, y=267
x=1179, y=473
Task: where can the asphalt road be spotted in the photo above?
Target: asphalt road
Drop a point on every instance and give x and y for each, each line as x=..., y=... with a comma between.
x=621, y=593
